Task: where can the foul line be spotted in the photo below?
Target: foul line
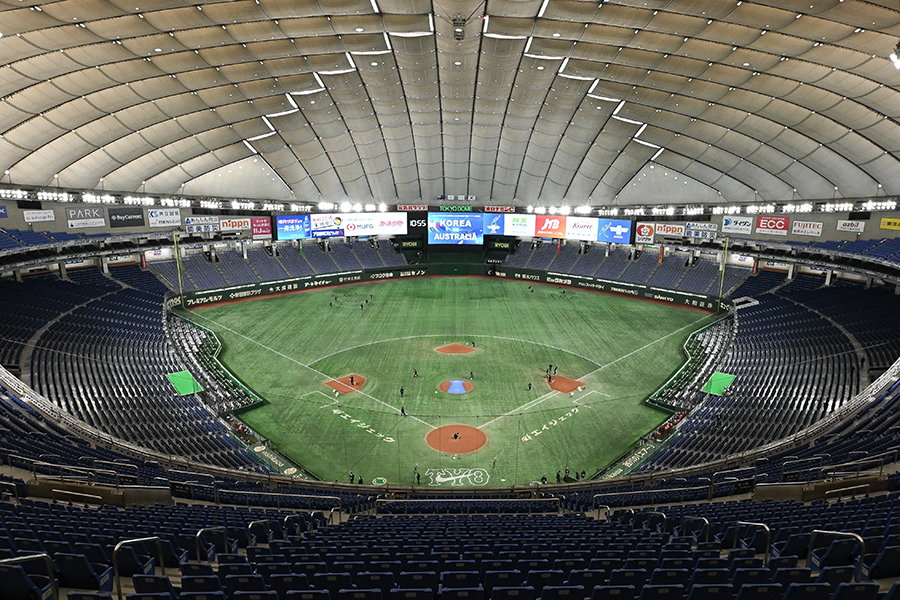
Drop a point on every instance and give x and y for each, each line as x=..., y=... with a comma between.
x=297, y=362
x=549, y=395
x=525, y=406
x=645, y=346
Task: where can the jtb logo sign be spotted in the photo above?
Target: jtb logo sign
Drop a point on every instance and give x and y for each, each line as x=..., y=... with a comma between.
x=458, y=477
x=553, y=227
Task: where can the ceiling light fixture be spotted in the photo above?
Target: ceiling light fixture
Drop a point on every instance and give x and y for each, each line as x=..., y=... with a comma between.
x=895, y=56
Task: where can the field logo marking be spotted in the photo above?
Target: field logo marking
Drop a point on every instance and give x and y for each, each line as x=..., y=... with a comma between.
x=458, y=477
x=552, y=423
x=359, y=423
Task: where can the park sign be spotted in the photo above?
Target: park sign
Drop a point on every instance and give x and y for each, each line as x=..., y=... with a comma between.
x=84, y=217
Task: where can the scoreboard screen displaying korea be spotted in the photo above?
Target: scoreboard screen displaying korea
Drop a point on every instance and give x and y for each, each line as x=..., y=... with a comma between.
x=454, y=228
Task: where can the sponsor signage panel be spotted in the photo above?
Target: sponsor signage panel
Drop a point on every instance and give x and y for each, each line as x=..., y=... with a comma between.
x=890, y=223
x=164, y=217
x=201, y=224
x=670, y=230
x=582, y=228
x=326, y=226
x=417, y=221
x=449, y=228
x=3, y=213
x=614, y=231
x=358, y=224
x=550, y=226
x=810, y=228
x=643, y=233
x=519, y=225
x=702, y=226
x=294, y=284
x=235, y=224
x=851, y=226
x=261, y=228
x=740, y=225
x=499, y=209
x=700, y=234
x=772, y=225
x=493, y=224
x=412, y=207
x=292, y=227
x=38, y=216
x=82, y=218
x=127, y=216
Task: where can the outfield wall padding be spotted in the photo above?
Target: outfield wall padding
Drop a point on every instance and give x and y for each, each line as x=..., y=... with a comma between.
x=586, y=282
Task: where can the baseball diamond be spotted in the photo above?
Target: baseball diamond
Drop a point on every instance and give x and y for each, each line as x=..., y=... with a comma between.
x=493, y=338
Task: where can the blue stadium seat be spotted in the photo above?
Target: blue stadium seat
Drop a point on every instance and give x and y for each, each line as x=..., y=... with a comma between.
x=662, y=592
x=614, y=592
x=808, y=591
x=76, y=572
x=513, y=593
x=18, y=584
x=151, y=584
x=708, y=591
x=408, y=594
x=360, y=594
x=760, y=591
x=563, y=592
x=855, y=591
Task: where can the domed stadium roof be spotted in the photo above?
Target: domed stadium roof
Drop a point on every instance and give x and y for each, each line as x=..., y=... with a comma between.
x=510, y=101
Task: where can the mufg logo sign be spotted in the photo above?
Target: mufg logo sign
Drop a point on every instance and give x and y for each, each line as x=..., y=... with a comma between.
x=458, y=477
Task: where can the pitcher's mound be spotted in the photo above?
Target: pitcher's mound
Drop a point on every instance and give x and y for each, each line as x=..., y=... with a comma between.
x=456, y=439
x=455, y=349
x=456, y=386
x=564, y=384
x=343, y=386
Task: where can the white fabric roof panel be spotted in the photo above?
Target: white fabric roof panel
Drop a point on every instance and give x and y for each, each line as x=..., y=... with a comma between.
x=417, y=123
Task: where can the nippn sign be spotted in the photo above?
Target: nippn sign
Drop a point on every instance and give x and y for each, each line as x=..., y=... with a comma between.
x=669, y=230
x=235, y=224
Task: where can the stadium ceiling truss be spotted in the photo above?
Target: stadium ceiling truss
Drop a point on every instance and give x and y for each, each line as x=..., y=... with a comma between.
x=510, y=101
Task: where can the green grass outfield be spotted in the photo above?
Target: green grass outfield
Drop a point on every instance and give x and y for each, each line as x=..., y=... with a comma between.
x=287, y=347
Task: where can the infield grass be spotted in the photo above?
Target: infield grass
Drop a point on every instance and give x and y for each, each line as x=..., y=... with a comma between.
x=286, y=348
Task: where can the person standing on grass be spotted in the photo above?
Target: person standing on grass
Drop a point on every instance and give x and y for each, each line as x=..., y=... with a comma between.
x=351, y=476
x=401, y=391
x=558, y=477
x=471, y=374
